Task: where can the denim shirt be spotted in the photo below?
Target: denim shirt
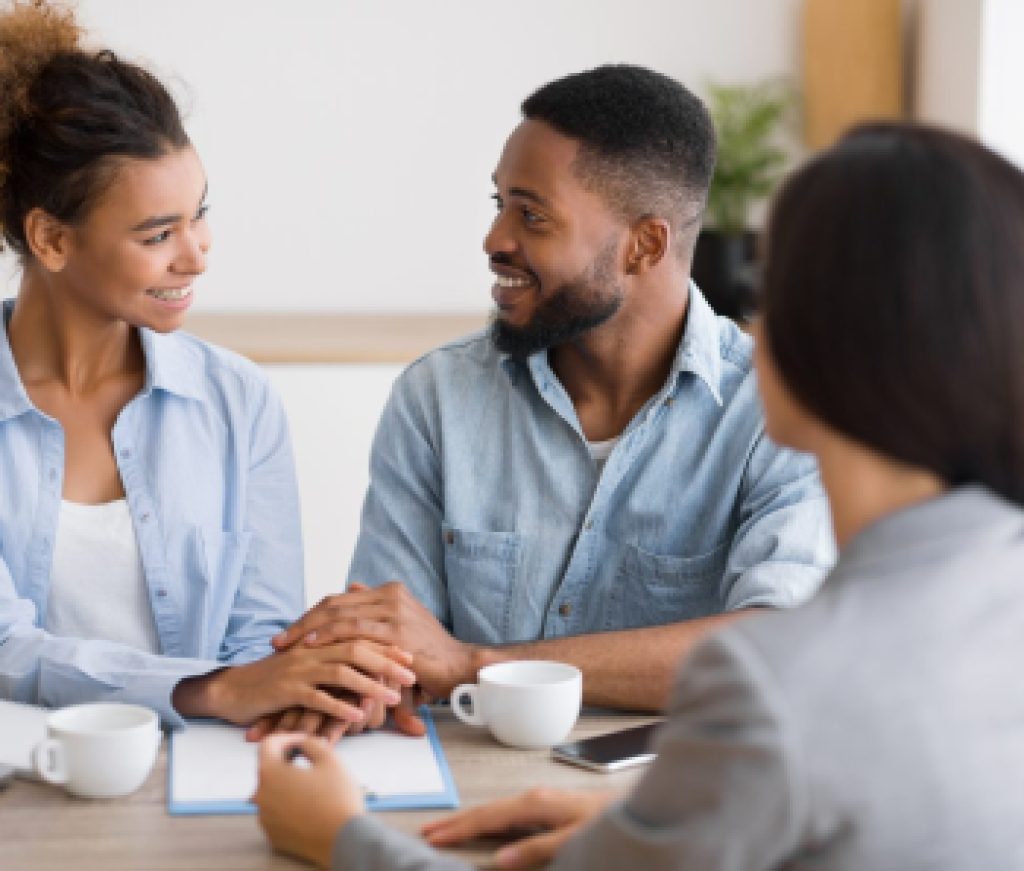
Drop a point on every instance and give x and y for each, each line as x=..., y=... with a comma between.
x=484, y=498
x=205, y=458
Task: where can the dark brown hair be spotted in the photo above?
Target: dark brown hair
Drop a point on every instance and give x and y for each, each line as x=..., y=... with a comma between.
x=894, y=299
x=67, y=116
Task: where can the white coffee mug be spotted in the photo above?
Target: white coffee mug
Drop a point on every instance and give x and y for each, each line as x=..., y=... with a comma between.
x=98, y=750
x=529, y=704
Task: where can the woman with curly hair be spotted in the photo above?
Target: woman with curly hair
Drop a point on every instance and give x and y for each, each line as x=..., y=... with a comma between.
x=149, y=524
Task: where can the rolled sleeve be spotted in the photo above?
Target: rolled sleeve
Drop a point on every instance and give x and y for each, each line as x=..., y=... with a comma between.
x=783, y=546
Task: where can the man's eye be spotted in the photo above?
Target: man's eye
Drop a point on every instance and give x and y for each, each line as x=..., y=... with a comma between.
x=162, y=236
x=497, y=201
x=531, y=217
x=203, y=210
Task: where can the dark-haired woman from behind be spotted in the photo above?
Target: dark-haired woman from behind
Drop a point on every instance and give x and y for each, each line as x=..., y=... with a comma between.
x=149, y=527
x=882, y=724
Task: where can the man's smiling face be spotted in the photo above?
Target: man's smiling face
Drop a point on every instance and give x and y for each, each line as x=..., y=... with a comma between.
x=555, y=246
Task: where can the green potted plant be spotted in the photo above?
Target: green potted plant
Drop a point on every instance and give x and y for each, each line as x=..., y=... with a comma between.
x=747, y=121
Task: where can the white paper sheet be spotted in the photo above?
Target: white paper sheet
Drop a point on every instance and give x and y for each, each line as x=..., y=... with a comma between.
x=213, y=769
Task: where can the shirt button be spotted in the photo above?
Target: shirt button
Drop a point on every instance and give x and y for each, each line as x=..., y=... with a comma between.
x=126, y=454
x=161, y=594
x=449, y=536
x=589, y=524
x=145, y=517
x=669, y=401
x=53, y=475
x=565, y=609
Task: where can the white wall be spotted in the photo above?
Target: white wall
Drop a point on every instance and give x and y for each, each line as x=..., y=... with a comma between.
x=1000, y=119
x=332, y=412
x=970, y=69
x=350, y=144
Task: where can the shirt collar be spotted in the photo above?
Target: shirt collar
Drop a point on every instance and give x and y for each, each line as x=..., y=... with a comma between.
x=699, y=351
x=170, y=366
x=13, y=396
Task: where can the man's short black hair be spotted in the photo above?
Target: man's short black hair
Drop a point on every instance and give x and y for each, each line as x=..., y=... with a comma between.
x=647, y=144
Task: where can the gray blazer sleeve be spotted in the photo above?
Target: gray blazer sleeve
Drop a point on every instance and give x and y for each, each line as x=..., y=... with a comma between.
x=365, y=844
x=723, y=795
x=724, y=792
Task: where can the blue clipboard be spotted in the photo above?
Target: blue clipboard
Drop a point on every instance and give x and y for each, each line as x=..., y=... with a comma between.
x=445, y=799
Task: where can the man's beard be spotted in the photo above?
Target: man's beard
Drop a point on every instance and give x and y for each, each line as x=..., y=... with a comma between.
x=572, y=310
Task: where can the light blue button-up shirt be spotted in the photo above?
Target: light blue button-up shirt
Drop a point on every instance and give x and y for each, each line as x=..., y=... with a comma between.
x=207, y=468
x=484, y=498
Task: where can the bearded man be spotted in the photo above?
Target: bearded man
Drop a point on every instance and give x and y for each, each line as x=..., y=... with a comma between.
x=589, y=480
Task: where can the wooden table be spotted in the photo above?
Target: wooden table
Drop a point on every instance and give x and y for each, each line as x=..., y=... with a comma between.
x=43, y=829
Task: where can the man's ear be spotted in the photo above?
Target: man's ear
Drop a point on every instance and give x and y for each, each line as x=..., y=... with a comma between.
x=48, y=239
x=648, y=244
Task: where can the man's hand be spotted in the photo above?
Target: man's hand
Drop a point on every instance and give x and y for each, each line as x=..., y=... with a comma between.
x=301, y=809
x=389, y=614
x=303, y=677
x=561, y=813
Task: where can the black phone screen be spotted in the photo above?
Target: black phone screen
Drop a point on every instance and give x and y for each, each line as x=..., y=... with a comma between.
x=616, y=747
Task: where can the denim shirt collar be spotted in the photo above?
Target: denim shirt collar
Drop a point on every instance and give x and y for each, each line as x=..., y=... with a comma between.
x=698, y=353
x=169, y=367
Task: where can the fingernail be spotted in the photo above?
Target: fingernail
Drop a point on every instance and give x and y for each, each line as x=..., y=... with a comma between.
x=505, y=856
x=311, y=638
x=408, y=676
x=393, y=697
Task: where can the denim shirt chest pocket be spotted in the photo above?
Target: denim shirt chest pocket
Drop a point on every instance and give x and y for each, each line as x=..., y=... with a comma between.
x=652, y=590
x=213, y=561
x=481, y=572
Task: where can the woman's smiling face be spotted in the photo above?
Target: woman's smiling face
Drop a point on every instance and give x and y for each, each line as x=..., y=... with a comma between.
x=140, y=246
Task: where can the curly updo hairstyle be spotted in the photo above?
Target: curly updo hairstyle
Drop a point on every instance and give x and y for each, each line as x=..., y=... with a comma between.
x=68, y=116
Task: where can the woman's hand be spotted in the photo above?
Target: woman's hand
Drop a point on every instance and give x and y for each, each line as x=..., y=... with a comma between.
x=562, y=813
x=301, y=808
x=301, y=677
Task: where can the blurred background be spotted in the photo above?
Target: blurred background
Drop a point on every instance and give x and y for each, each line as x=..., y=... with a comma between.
x=349, y=147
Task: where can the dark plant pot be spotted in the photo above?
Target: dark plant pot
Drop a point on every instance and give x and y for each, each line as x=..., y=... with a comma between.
x=723, y=268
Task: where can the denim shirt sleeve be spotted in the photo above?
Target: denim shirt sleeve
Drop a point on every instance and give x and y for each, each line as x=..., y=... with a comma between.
x=270, y=595
x=783, y=545
x=400, y=531
x=39, y=668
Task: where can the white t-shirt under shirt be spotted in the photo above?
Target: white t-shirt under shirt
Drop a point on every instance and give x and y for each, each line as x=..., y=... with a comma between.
x=97, y=585
x=601, y=451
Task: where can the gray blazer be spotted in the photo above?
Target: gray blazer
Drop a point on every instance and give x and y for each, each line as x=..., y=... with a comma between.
x=881, y=726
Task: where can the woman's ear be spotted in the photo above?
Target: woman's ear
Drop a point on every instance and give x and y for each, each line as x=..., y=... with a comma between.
x=49, y=240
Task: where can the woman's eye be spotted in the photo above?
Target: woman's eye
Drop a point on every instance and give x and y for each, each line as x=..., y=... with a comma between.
x=531, y=217
x=162, y=236
x=203, y=209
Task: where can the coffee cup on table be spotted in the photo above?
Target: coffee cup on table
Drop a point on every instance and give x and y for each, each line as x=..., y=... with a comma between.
x=98, y=750
x=528, y=704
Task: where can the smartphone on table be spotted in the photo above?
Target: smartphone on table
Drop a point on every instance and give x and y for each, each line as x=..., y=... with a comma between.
x=610, y=752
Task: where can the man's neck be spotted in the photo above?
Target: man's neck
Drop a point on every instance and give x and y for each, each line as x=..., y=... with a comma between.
x=613, y=370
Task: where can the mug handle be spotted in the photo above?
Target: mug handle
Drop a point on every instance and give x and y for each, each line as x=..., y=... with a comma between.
x=474, y=718
x=49, y=761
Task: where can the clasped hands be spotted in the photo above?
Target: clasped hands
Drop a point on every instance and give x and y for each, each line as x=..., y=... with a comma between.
x=405, y=655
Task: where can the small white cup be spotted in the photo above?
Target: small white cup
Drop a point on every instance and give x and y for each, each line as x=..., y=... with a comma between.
x=528, y=704
x=99, y=750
